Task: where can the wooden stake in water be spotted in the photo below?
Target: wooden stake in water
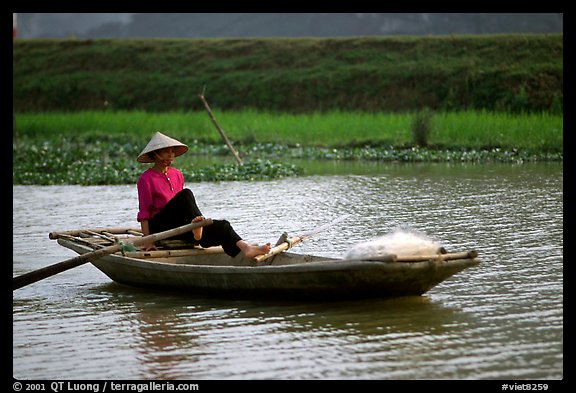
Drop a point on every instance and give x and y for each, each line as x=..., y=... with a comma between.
x=232, y=150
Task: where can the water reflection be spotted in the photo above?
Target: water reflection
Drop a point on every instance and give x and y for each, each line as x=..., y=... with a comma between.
x=183, y=337
x=500, y=320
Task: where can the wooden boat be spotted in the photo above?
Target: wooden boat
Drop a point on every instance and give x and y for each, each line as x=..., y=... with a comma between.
x=179, y=266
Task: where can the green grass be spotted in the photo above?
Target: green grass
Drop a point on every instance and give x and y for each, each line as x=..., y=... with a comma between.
x=468, y=129
x=528, y=131
x=101, y=147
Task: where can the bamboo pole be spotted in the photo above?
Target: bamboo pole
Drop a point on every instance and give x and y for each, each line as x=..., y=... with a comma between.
x=279, y=248
x=222, y=134
x=175, y=253
x=48, y=271
x=440, y=257
x=115, y=231
x=421, y=258
x=284, y=243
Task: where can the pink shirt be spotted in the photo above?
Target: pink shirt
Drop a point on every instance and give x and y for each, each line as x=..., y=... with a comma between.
x=155, y=189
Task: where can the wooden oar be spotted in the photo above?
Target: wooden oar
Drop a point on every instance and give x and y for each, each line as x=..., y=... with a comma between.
x=37, y=275
x=297, y=240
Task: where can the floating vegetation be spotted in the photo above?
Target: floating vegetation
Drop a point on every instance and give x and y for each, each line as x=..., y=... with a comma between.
x=252, y=170
x=405, y=154
x=98, y=163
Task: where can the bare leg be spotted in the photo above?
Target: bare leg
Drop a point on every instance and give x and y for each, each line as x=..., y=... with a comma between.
x=251, y=251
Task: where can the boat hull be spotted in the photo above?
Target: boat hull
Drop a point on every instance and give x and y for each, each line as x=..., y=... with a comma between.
x=288, y=275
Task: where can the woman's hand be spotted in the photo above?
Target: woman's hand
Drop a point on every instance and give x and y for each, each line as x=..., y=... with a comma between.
x=148, y=247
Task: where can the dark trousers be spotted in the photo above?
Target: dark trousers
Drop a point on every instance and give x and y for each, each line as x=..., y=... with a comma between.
x=180, y=210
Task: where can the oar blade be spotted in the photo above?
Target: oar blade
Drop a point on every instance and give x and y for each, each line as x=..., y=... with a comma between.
x=325, y=226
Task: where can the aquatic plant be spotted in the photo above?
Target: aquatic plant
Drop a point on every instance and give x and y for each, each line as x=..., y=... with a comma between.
x=67, y=162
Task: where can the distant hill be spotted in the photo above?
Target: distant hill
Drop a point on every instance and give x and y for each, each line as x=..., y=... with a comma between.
x=203, y=25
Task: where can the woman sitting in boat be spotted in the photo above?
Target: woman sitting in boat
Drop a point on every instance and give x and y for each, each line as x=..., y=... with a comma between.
x=165, y=204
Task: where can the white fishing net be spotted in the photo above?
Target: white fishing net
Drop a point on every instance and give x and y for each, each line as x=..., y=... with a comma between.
x=402, y=242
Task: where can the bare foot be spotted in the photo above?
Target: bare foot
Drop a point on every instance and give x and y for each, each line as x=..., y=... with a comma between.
x=253, y=250
x=197, y=231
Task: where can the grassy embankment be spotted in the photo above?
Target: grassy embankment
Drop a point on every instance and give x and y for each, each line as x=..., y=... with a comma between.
x=493, y=98
x=511, y=73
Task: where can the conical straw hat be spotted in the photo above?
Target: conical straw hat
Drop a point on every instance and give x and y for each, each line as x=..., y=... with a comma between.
x=161, y=141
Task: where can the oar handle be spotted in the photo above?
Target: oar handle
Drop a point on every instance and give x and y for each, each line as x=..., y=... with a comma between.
x=297, y=239
x=37, y=275
x=279, y=248
x=170, y=233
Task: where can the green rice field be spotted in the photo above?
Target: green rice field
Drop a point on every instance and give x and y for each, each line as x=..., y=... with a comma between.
x=535, y=132
x=91, y=147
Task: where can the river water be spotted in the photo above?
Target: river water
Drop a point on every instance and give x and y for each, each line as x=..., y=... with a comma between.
x=502, y=319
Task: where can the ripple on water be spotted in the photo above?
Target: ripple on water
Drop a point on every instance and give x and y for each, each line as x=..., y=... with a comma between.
x=500, y=320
